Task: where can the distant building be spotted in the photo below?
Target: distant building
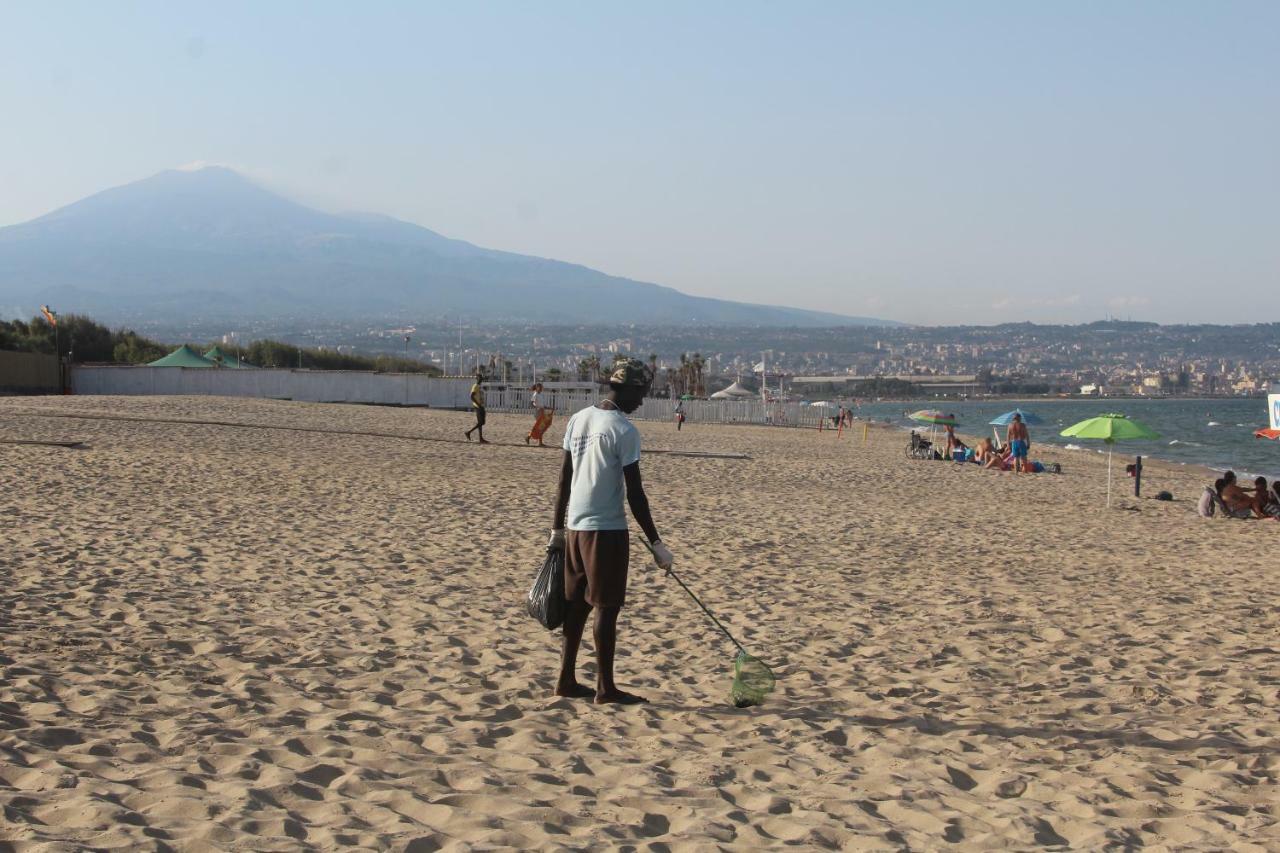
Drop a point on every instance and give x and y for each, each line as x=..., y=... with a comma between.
x=935, y=383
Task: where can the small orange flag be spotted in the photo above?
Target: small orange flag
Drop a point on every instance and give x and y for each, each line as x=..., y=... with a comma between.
x=49, y=315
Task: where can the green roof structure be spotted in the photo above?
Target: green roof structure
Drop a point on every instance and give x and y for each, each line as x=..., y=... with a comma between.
x=219, y=357
x=183, y=356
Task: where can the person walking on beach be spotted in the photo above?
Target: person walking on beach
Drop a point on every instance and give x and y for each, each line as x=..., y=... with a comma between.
x=1019, y=441
x=601, y=457
x=679, y=415
x=477, y=403
x=542, y=418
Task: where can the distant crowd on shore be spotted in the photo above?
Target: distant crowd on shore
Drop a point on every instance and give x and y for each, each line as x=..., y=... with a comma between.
x=1232, y=500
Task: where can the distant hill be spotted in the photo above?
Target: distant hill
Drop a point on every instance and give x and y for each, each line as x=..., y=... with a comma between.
x=210, y=243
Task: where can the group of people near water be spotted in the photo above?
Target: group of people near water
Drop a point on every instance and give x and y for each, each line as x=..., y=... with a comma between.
x=1236, y=501
x=1014, y=455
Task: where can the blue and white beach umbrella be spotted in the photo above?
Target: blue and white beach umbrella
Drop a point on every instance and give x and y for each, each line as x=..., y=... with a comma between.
x=1007, y=418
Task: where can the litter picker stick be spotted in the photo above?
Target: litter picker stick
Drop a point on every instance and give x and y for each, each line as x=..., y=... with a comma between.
x=697, y=600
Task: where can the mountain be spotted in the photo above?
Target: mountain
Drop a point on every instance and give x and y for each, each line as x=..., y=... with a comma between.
x=211, y=243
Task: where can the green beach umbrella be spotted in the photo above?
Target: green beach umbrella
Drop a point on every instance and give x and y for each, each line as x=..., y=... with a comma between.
x=1110, y=428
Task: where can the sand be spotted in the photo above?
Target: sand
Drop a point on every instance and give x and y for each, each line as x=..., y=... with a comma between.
x=263, y=638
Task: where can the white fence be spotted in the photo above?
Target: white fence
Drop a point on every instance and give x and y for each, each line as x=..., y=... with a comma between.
x=569, y=397
x=416, y=389
x=316, y=386
x=560, y=397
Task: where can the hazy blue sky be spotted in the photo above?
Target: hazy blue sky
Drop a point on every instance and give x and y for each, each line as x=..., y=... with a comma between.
x=927, y=162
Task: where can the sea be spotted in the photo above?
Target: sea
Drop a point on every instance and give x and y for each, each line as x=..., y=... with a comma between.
x=1217, y=433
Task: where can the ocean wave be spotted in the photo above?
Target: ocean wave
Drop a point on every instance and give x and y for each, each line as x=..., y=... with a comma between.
x=1213, y=423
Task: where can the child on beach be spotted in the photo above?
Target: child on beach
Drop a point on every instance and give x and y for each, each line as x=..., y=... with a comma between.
x=542, y=417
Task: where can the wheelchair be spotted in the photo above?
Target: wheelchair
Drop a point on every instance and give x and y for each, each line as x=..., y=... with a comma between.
x=920, y=447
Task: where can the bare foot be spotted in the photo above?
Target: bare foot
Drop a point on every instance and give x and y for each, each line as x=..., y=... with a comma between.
x=468, y=435
x=482, y=441
x=574, y=691
x=619, y=697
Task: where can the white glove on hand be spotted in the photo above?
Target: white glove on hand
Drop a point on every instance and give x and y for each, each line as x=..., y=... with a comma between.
x=662, y=555
x=556, y=541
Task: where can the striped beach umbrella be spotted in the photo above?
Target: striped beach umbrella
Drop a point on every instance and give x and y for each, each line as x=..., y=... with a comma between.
x=1007, y=418
x=934, y=417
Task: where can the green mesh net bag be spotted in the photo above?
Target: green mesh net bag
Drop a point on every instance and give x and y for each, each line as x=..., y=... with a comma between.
x=752, y=678
x=752, y=681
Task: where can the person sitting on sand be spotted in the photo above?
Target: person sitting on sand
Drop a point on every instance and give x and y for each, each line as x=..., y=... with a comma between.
x=985, y=451
x=1001, y=461
x=1237, y=501
x=601, y=455
x=1264, y=504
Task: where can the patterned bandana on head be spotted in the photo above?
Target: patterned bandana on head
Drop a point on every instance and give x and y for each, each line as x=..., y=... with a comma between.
x=631, y=372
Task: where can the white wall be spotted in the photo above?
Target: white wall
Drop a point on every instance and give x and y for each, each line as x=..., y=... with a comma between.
x=413, y=389
x=317, y=386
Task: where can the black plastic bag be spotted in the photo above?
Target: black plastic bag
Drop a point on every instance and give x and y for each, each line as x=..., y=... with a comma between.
x=546, y=597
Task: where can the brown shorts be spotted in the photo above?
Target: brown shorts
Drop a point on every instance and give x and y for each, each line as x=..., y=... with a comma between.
x=595, y=566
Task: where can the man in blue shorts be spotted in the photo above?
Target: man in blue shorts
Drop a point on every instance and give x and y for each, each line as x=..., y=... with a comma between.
x=1019, y=444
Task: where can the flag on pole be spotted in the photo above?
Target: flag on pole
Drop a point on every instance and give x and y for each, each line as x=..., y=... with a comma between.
x=50, y=315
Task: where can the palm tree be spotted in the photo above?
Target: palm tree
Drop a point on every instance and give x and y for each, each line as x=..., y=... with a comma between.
x=589, y=369
x=682, y=377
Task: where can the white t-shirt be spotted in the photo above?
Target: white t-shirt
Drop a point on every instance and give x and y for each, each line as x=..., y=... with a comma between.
x=602, y=443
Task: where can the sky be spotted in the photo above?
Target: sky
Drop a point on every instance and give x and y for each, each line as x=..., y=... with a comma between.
x=927, y=162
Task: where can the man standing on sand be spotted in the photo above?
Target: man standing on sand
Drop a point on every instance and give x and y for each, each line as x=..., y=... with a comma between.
x=601, y=455
x=1019, y=441
x=477, y=403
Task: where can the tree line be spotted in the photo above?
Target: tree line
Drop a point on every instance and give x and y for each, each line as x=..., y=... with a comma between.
x=83, y=339
x=688, y=378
